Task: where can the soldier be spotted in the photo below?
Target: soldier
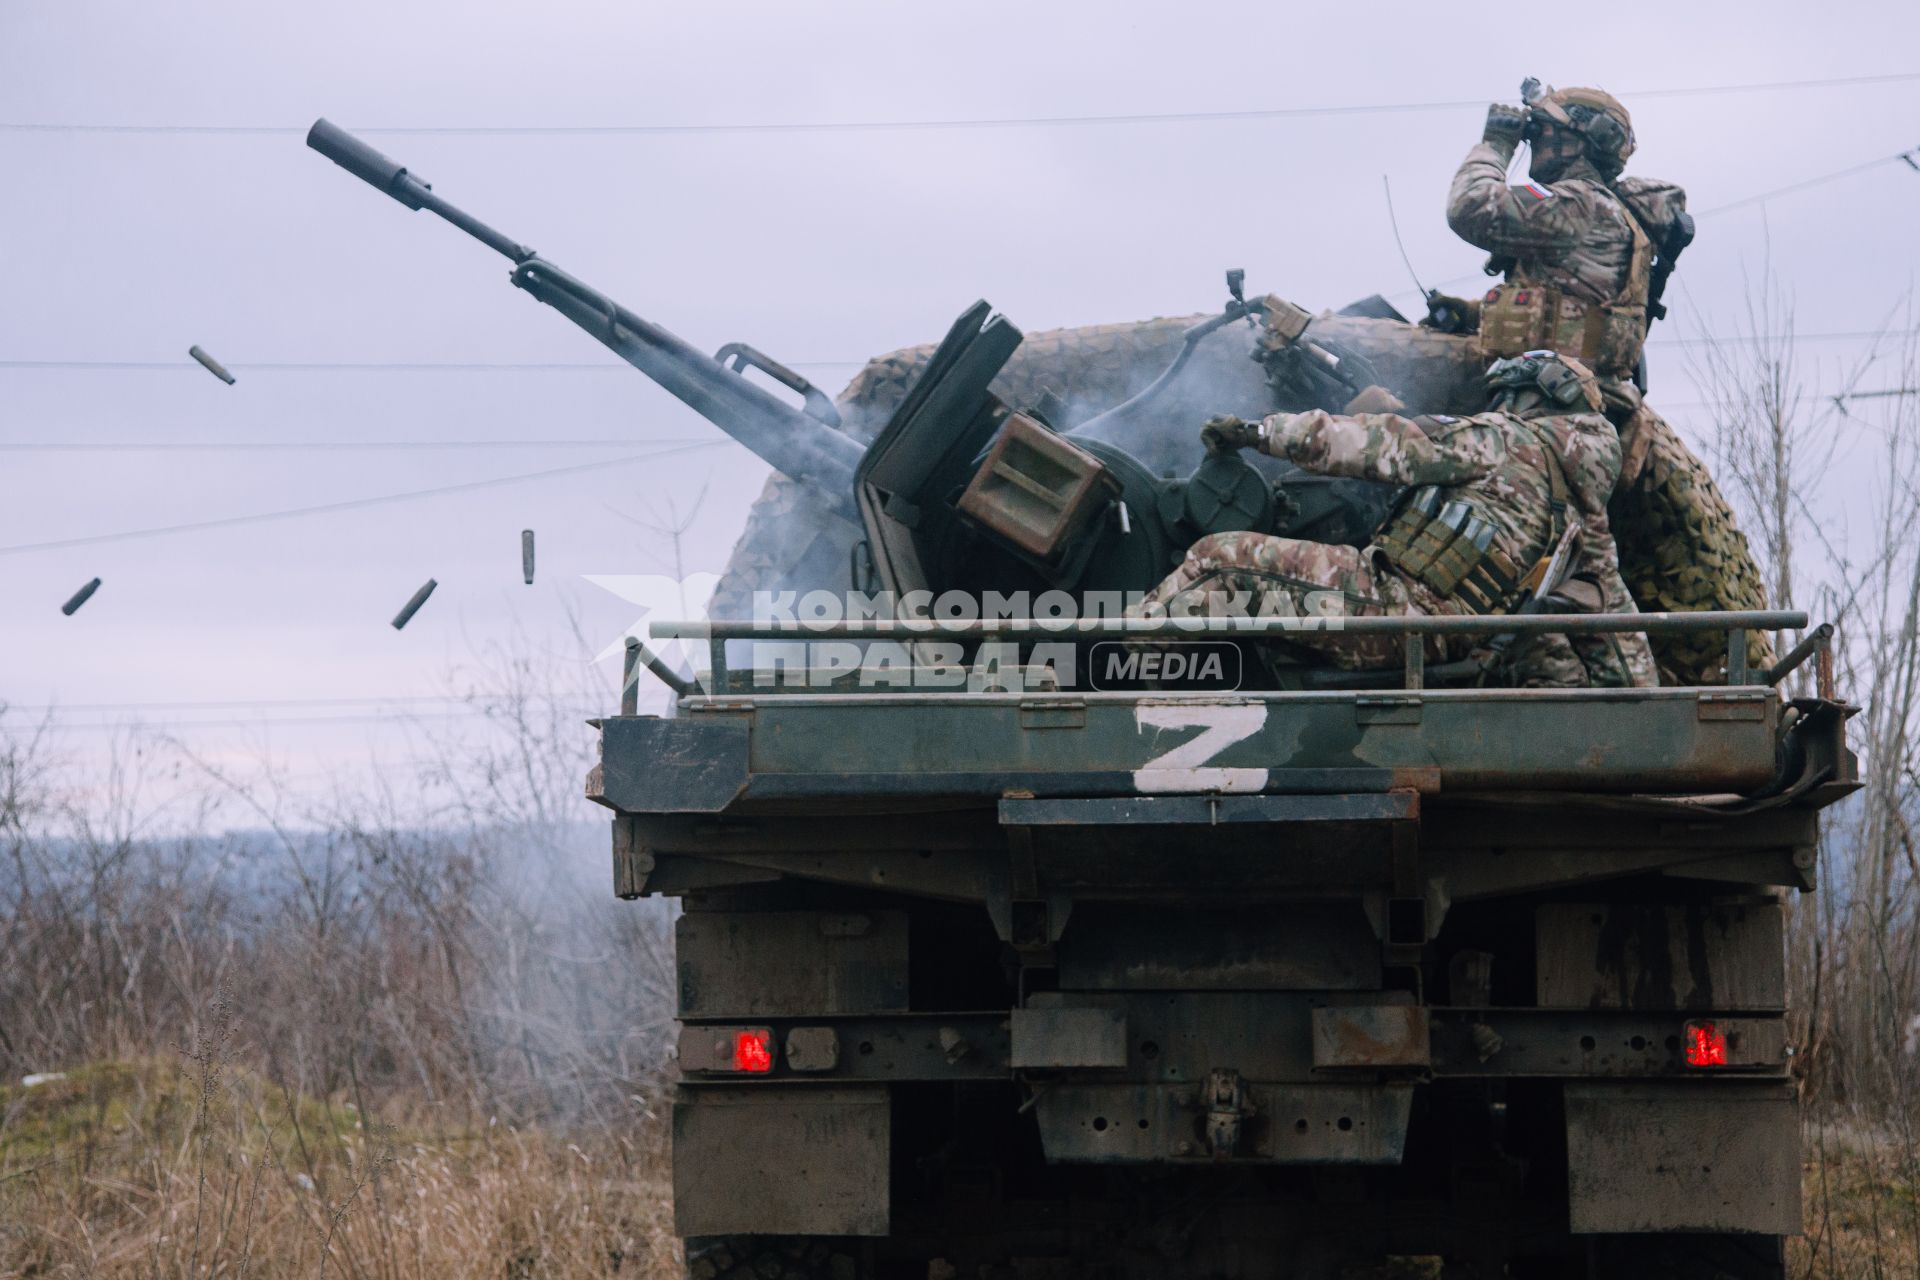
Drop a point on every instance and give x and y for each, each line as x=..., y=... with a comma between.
x=1577, y=262
x=1585, y=254
x=1492, y=497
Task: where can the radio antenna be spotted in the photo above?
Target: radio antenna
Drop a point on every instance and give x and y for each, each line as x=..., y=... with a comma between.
x=1394, y=222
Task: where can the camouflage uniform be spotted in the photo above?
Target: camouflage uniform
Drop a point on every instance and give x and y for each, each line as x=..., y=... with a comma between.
x=1497, y=464
x=1573, y=234
x=1680, y=546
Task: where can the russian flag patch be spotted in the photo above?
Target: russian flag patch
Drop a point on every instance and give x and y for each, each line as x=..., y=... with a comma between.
x=1535, y=190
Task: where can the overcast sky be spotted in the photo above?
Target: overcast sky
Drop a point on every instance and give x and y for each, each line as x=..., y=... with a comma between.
x=129, y=245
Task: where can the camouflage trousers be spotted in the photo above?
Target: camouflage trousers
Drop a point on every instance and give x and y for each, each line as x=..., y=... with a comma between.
x=1681, y=547
x=1258, y=575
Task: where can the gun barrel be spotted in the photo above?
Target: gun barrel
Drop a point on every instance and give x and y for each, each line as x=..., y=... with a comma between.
x=799, y=445
x=395, y=179
x=364, y=163
x=793, y=442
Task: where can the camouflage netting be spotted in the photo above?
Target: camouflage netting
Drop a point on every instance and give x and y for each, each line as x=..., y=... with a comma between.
x=1680, y=547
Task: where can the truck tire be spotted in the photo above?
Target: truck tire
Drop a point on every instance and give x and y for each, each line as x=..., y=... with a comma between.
x=770, y=1258
x=1697, y=1257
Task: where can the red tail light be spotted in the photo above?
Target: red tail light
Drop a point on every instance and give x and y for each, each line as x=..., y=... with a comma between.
x=1706, y=1045
x=753, y=1051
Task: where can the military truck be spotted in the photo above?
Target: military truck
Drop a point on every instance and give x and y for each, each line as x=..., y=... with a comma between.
x=1005, y=953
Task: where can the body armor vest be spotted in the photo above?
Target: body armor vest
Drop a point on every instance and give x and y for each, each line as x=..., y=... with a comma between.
x=1521, y=316
x=1439, y=537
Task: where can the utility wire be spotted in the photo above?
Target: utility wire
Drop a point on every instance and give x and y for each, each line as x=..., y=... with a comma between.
x=286, y=446
x=996, y=122
x=376, y=366
x=475, y=366
x=351, y=504
x=1845, y=335
x=1898, y=157
x=360, y=366
x=244, y=704
x=1910, y=157
x=262, y=722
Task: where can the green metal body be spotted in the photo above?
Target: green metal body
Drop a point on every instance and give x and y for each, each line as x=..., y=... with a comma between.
x=1069, y=959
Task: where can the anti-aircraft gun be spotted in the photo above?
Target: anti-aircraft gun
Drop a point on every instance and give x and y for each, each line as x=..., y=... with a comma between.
x=1252, y=984
x=960, y=491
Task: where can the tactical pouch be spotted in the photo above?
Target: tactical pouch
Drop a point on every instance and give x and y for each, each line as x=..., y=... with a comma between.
x=1450, y=550
x=1623, y=333
x=1517, y=318
x=1491, y=585
x=1393, y=538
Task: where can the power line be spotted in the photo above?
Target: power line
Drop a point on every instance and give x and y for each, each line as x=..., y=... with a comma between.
x=350, y=504
x=283, y=446
x=996, y=122
x=262, y=722
x=477, y=366
x=376, y=366
x=1735, y=340
x=1897, y=157
x=331, y=366
x=1907, y=157
x=242, y=704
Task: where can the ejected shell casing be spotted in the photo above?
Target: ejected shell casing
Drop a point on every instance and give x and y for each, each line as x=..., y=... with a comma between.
x=412, y=606
x=213, y=366
x=80, y=597
x=526, y=555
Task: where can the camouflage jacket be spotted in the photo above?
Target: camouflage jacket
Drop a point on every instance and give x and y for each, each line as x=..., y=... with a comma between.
x=1496, y=463
x=1573, y=235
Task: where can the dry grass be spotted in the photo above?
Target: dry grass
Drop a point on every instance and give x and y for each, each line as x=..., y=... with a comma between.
x=138, y=1169
x=1862, y=1208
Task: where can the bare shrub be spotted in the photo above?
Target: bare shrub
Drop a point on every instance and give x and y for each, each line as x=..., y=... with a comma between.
x=403, y=1031
x=1854, y=946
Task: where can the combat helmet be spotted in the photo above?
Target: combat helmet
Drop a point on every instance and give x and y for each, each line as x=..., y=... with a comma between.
x=1566, y=384
x=1601, y=121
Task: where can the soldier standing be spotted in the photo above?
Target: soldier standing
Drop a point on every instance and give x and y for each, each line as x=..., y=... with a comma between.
x=1585, y=254
x=1493, y=495
x=1578, y=265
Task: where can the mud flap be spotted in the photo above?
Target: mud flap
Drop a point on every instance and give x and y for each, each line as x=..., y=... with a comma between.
x=781, y=1161
x=1709, y=1156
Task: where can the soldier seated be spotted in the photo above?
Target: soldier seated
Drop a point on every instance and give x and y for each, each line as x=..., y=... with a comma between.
x=1490, y=498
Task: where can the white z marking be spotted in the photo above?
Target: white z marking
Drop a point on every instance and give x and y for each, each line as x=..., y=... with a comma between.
x=1185, y=767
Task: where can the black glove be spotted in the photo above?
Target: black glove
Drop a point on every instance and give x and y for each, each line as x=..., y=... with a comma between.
x=1227, y=433
x=1506, y=124
x=1449, y=314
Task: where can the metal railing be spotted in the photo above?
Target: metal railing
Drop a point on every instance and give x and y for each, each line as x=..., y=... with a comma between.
x=1413, y=628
